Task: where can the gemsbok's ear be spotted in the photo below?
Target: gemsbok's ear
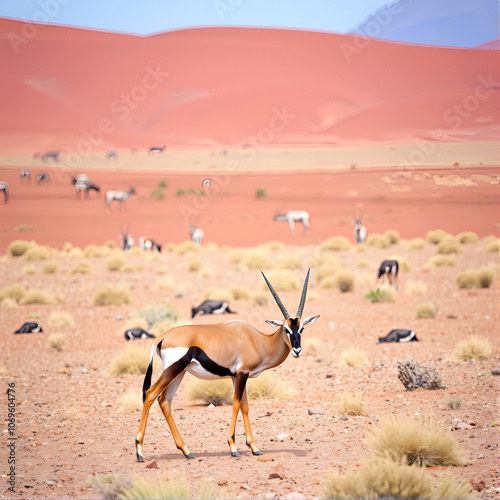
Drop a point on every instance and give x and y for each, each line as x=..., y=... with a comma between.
x=310, y=320
x=274, y=323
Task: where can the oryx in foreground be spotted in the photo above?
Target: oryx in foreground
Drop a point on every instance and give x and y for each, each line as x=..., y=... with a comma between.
x=390, y=269
x=119, y=196
x=233, y=350
x=293, y=216
x=4, y=188
x=147, y=243
x=25, y=175
x=359, y=231
x=211, y=307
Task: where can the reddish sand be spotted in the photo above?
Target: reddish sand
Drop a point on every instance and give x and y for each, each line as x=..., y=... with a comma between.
x=79, y=90
x=410, y=201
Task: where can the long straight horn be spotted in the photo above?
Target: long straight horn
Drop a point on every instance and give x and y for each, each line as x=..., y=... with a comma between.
x=277, y=299
x=303, y=298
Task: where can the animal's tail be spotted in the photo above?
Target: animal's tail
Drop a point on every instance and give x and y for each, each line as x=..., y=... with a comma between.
x=229, y=310
x=149, y=372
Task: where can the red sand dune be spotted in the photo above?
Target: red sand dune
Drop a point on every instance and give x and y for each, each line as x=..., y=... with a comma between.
x=68, y=89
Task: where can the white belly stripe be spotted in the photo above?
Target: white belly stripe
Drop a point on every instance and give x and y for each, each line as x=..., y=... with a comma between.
x=171, y=355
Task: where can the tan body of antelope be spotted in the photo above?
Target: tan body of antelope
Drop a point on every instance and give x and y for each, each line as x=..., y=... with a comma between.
x=233, y=350
x=293, y=216
x=120, y=196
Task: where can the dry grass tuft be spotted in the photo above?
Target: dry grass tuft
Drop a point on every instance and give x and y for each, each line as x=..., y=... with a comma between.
x=115, y=262
x=436, y=236
x=453, y=402
x=134, y=322
x=336, y=244
x=72, y=413
x=365, y=263
x=416, y=441
x=9, y=303
x=416, y=244
x=328, y=269
x=485, y=277
x=194, y=265
x=475, y=278
x=145, y=488
x=50, y=267
x=187, y=247
x=448, y=245
x=37, y=296
x=404, y=265
x=439, y=261
x=14, y=291
x=60, y=319
x=37, y=252
x=235, y=256
x=76, y=253
x=292, y=262
x=109, y=294
x=416, y=288
x=134, y=360
x=426, y=310
x=382, y=478
x=56, y=341
x=414, y=375
x=130, y=402
x=260, y=297
x=240, y=292
x=282, y=280
x=313, y=346
x=392, y=236
x=384, y=293
x=157, y=312
x=345, y=280
x=267, y=386
x=210, y=392
x=18, y=247
x=353, y=357
x=378, y=241
x=214, y=293
x=256, y=259
x=96, y=251
x=165, y=282
x=467, y=237
x=493, y=246
x=30, y=269
x=352, y=405
x=472, y=347
x=81, y=267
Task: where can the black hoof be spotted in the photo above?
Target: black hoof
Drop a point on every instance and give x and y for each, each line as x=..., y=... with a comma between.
x=139, y=458
x=189, y=456
x=257, y=452
x=235, y=454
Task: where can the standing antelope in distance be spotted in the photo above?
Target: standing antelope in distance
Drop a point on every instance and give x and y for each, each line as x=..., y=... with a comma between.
x=44, y=176
x=111, y=155
x=389, y=268
x=83, y=184
x=148, y=244
x=293, y=216
x=196, y=234
x=50, y=155
x=233, y=349
x=4, y=188
x=25, y=175
x=155, y=149
x=359, y=231
x=120, y=196
x=126, y=240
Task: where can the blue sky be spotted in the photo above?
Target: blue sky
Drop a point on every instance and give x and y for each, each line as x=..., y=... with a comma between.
x=151, y=16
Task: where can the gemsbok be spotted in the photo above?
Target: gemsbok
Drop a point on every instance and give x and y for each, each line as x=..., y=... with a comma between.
x=25, y=175
x=196, y=234
x=156, y=149
x=147, y=243
x=233, y=349
x=4, y=188
x=51, y=155
x=293, y=216
x=126, y=240
x=42, y=177
x=389, y=268
x=359, y=231
x=119, y=196
x=83, y=185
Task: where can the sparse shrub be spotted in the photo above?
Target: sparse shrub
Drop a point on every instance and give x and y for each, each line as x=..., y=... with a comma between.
x=328, y=269
x=162, y=183
x=37, y=296
x=416, y=441
x=157, y=194
x=291, y=262
x=130, y=268
x=440, y=261
x=255, y=259
x=235, y=256
x=115, y=262
x=378, y=241
x=206, y=273
x=109, y=294
x=267, y=386
x=9, y=303
x=363, y=263
x=352, y=405
x=215, y=392
x=18, y=247
x=111, y=245
x=260, y=193
x=448, y=245
x=485, y=277
x=187, y=247
x=50, y=267
x=165, y=282
x=382, y=478
x=414, y=375
x=336, y=243
x=493, y=246
x=467, y=237
x=472, y=347
x=260, y=297
x=60, y=319
x=320, y=258
x=80, y=267
x=361, y=248
x=345, y=280
x=467, y=279
x=453, y=402
x=25, y=228
x=436, y=236
x=240, y=292
x=130, y=402
x=181, y=192
x=416, y=288
x=37, y=252
x=134, y=360
x=76, y=253
x=281, y=280
x=157, y=312
x=383, y=293
x=95, y=251
x=14, y=291
x=426, y=310
x=392, y=236
x=217, y=294
x=30, y=269
x=404, y=265
x=274, y=245
x=353, y=357
x=56, y=341
x=416, y=244
x=312, y=346
x=194, y=265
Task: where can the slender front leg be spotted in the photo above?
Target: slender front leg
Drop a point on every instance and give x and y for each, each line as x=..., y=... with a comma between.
x=239, y=388
x=246, y=423
x=292, y=226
